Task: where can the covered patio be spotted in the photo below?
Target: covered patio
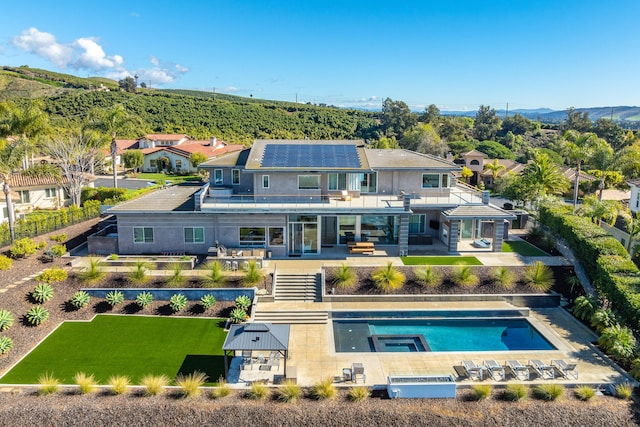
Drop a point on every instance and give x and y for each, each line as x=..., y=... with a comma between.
x=259, y=351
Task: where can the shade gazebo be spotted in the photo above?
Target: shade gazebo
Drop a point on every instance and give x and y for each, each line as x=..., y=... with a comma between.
x=252, y=337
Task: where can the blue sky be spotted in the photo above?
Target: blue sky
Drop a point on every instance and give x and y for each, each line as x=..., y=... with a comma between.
x=457, y=55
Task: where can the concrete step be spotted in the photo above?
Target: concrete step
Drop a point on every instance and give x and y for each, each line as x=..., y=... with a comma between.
x=293, y=317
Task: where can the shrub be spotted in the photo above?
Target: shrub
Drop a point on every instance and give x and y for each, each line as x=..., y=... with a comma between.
x=118, y=383
x=252, y=274
x=143, y=299
x=635, y=369
x=215, y=276
x=41, y=245
x=624, y=391
x=93, y=274
x=5, y=263
x=177, y=277
x=58, y=238
x=515, y=392
x=602, y=319
x=177, y=302
x=323, y=390
x=538, y=276
x=388, y=278
x=80, y=299
x=113, y=257
x=258, y=392
x=428, y=277
x=37, y=315
x=6, y=344
x=42, y=292
x=290, y=392
x=584, y=392
x=358, y=394
x=23, y=248
x=86, y=383
x=57, y=250
x=548, y=391
x=6, y=320
x=114, y=298
x=223, y=389
x=618, y=341
x=464, y=276
x=190, y=384
x=48, y=384
x=503, y=277
x=584, y=307
x=344, y=277
x=480, y=391
x=243, y=302
x=238, y=315
x=139, y=275
x=208, y=301
x=52, y=275
x=154, y=384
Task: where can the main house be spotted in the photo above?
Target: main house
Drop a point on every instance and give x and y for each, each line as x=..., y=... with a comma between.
x=296, y=197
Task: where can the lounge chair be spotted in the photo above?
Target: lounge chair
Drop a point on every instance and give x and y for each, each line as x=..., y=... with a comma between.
x=482, y=243
x=472, y=370
x=357, y=369
x=543, y=370
x=568, y=370
x=496, y=370
x=520, y=371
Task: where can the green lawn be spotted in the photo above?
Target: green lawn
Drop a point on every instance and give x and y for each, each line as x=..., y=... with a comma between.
x=176, y=179
x=126, y=345
x=440, y=260
x=522, y=248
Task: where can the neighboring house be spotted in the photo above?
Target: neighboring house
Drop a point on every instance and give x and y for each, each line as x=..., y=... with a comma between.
x=296, y=197
x=634, y=198
x=30, y=193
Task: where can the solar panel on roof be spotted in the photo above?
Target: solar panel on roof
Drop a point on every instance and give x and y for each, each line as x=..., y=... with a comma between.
x=310, y=156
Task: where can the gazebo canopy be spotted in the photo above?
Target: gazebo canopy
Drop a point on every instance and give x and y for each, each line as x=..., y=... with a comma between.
x=257, y=336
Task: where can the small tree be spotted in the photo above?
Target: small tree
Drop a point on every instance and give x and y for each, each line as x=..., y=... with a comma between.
x=133, y=159
x=197, y=158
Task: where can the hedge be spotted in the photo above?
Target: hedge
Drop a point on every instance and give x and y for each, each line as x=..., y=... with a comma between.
x=605, y=260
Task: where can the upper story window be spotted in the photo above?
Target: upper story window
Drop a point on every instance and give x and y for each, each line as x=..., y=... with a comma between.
x=235, y=176
x=430, y=180
x=445, y=181
x=265, y=181
x=337, y=181
x=217, y=177
x=308, y=182
x=369, y=183
x=50, y=193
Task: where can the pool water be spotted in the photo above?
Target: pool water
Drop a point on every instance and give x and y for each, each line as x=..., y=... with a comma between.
x=439, y=335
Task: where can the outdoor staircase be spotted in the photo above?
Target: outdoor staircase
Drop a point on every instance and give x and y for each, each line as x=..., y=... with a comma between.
x=298, y=317
x=298, y=287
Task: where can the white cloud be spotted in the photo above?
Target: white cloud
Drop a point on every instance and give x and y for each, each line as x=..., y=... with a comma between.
x=93, y=56
x=181, y=69
x=154, y=60
x=230, y=89
x=45, y=45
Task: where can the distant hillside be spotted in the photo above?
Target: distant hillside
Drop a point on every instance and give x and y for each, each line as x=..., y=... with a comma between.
x=546, y=115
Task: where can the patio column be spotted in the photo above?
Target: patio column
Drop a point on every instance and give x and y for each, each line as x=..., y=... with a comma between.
x=454, y=232
x=498, y=235
x=403, y=238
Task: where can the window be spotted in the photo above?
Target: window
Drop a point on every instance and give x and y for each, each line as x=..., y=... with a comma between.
x=217, y=177
x=337, y=181
x=265, y=181
x=24, y=196
x=474, y=163
x=308, y=182
x=235, y=176
x=178, y=164
x=194, y=235
x=417, y=223
x=153, y=163
x=369, y=183
x=430, y=180
x=445, y=181
x=252, y=236
x=5, y=213
x=276, y=236
x=142, y=235
x=50, y=193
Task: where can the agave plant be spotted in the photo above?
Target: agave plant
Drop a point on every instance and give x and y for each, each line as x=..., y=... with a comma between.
x=243, y=302
x=114, y=298
x=37, y=315
x=6, y=320
x=177, y=302
x=6, y=344
x=388, y=278
x=214, y=276
x=238, y=315
x=143, y=299
x=42, y=292
x=208, y=301
x=80, y=299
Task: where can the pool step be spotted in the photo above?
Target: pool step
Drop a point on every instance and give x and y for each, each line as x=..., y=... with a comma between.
x=298, y=287
x=292, y=317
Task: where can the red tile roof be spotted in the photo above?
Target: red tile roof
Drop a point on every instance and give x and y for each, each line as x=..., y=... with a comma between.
x=23, y=181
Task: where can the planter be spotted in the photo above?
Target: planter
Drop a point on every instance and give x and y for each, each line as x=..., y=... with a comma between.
x=154, y=263
x=423, y=386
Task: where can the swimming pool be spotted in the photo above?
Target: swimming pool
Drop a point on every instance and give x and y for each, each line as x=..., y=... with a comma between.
x=437, y=335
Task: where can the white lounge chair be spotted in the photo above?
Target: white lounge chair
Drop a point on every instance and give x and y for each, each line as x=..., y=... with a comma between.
x=357, y=369
x=496, y=370
x=520, y=371
x=568, y=370
x=544, y=371
x=472, y=370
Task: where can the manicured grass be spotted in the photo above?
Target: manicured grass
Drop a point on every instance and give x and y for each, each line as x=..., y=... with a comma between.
x=176, y=179
x=134, y=346
x=522, y=248
x=440, y=260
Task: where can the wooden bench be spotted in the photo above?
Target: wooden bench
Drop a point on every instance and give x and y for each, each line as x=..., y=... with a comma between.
x=361, y=248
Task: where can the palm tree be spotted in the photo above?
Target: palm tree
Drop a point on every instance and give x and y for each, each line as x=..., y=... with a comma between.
x=579, y=148
x=495, y=169
x=633, y=228
x=605, y=164
x=10, y=158
x=115, y=122
x=544, y=177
